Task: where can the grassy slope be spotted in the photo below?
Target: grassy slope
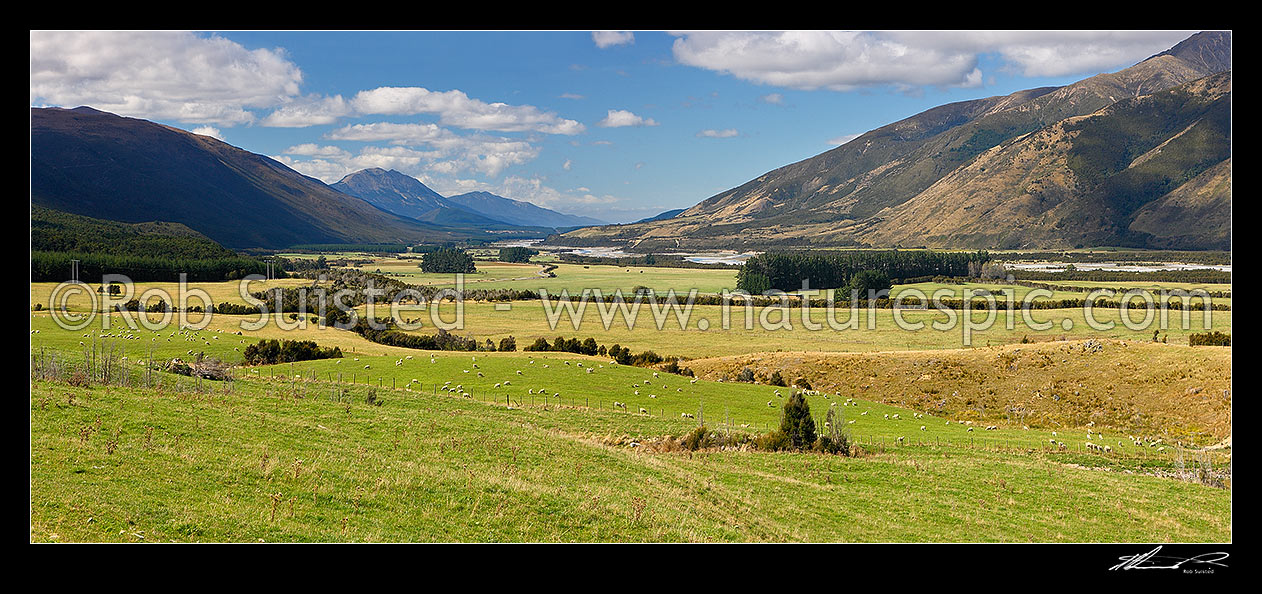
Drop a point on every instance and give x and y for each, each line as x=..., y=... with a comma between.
x=1140, y=388
x=420, y=468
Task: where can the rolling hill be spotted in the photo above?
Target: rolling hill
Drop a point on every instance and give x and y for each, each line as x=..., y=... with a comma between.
x=1103, y=161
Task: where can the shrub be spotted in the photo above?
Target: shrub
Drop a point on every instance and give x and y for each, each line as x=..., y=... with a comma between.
x=699, y=438
x=267, y=352
x=776, y=379
x=796, y=422
x=1214, y=338
x=774, y=441
x=836, y=437
x=508, y=344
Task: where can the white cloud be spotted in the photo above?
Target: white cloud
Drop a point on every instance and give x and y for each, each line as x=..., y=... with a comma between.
x=567, y=165
x=840, y=140
x=606, y=39
x=311, y=149
x=176, y=76
x=846, y=60
x=772, y=99
x=446, y=152
x=309, y=111
x=574, y=96
x=411, y=134
x=725, y=133
x=619, y=118
x=210, y=131
x=455, y=108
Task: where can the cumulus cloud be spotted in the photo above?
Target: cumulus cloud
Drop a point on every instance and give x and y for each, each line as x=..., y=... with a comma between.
x=606, y=39
x=176, y=76
x=567, y=165
x=443, y=150
x=848, y=60
x=726, y=133
x=311, y=149
x=308, y=111
x=210, y=131
x=455, y=108
x=412, y=134
x=620, y=118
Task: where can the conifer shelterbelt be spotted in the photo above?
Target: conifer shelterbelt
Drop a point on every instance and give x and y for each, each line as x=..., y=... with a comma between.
x=447, y=261
x=789, y=270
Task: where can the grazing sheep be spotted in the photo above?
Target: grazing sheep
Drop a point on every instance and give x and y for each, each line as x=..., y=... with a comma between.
x=644, y=412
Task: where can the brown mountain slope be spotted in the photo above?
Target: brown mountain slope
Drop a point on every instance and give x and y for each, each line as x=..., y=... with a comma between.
x=847, y=196
x=1050, y=189
x=1195, y=216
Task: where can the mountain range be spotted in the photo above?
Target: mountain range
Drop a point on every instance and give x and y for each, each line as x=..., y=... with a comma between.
x=96, y=164
x=1140, y=157
x=405, y=195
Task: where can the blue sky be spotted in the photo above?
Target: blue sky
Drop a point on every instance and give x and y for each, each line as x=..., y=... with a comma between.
x=617, y=126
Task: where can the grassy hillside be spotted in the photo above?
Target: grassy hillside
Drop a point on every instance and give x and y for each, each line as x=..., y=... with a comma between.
x=270, y=462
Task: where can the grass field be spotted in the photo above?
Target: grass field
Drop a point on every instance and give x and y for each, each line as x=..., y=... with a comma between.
x=529, y=320
x=267, y=463
x=577, y=277
x=537, y=378
x=530, y=447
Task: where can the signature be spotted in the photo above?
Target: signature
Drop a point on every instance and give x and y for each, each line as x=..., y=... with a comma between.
x=1151, y=560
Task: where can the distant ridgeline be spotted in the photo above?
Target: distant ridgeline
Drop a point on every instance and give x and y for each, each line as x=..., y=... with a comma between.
x=368, y=248
x=786, y=271
x=143, y=251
